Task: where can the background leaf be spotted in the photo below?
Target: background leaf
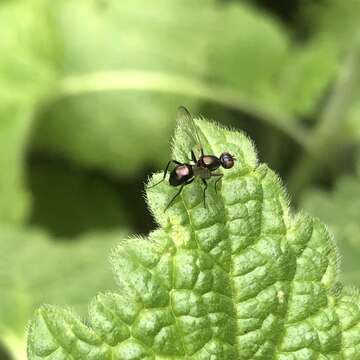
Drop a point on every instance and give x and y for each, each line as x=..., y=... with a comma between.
x=35, y=269
x=142, y=64
x=88, y=96
x=340, y=209
x=115, y=30
x=27, y=73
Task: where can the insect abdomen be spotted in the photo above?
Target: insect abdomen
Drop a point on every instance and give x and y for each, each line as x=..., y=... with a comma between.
x=180, y=175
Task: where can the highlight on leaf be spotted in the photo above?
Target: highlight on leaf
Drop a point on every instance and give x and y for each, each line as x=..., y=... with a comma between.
x=241, y=279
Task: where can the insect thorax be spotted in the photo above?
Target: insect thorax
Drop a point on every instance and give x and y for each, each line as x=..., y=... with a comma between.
x=210, y=161
x=202, y=172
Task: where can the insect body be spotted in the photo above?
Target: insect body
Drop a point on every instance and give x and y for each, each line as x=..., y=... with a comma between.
x=202, y=168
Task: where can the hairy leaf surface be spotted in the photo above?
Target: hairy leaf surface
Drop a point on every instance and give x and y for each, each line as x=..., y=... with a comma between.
x=241, y=279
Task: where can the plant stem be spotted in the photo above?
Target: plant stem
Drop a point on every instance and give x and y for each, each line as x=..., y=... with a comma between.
x=329, y=134
x=118, y=80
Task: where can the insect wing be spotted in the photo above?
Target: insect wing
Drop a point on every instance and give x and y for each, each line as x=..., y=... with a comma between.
x=186, y=120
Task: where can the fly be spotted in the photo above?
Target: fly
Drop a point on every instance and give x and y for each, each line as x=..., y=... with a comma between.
x=203, y=167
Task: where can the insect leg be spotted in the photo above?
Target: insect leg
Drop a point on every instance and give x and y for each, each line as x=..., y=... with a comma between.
x=178, y=193
x=193, y=157
x=205, y=183
x=165, y=172
x=217, y=180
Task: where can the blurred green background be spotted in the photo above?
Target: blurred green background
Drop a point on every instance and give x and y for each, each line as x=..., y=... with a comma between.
x=88, y=96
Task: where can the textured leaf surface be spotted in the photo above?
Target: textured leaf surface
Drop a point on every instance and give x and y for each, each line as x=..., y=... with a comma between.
x=35, y=269
x=240, y=279
x=340, y=209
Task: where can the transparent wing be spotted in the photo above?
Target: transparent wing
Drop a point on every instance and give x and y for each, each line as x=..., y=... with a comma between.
x=184, y=118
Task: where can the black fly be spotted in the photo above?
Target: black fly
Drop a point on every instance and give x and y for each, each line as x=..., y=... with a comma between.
x=202, y=168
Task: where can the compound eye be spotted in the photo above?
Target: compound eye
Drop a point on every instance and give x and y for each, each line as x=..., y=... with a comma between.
x=227, y=160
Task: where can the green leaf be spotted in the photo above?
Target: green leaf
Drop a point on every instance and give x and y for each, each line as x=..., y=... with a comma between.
x=340, y=209
x=337, y=22
x=247, y=52
x=35, y=269
x=127, y=65
x=14, y=127
x=27, y=49
x=306, y=76
x=335, y=26
x=240, y=279
x=353, y=128
x=122, y=40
